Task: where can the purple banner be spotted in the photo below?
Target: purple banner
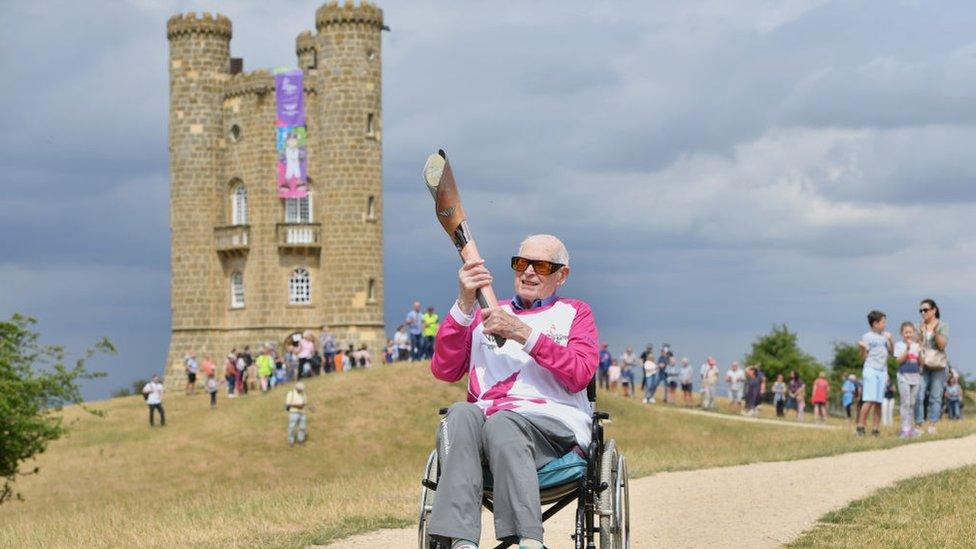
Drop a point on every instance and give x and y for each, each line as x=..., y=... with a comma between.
x=289, y=98
x=290, y=135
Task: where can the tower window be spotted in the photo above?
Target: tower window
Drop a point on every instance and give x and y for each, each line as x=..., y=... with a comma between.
x=237, y=290
x=298, y=210
x=369, y=124
x=238, y=202
x=371, y=290
x=371, y=207
x=315, y=59
x=299, y=287
x=370, y=55
x=235, y=133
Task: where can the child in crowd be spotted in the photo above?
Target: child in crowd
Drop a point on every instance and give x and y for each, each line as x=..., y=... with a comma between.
x=875, y=346
x=847, y=391
x=909, y=377
x=953, y=393
x=684, y=377
x=779, y=395
x=626, y=381
x=798, y=392
x=614, y=374
x=211, y=388
x=819, y=397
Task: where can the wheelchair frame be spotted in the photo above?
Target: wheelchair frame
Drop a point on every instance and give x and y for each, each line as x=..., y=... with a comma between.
x=602, y=494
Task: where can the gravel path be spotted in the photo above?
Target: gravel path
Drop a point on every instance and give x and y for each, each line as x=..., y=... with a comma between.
x=708, y=507
x=750, y=419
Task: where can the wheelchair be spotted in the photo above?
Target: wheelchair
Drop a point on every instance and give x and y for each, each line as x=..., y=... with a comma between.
x=598, y=484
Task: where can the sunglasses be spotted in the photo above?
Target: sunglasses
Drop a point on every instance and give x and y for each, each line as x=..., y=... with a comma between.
x=923, y=311
x=540, y=266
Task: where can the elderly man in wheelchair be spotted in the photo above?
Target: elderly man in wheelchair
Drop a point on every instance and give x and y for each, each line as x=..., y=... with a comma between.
x=528, y=434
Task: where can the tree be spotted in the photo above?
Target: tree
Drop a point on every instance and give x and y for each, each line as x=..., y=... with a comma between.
x=35, y=384
x=779, y=353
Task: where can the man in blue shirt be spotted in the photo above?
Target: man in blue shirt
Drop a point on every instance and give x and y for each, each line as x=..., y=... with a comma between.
x=415, y=325
x=603, y=373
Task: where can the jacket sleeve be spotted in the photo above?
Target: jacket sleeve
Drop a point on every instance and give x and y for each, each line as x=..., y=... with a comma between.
x=452, y=346
x=574, y=364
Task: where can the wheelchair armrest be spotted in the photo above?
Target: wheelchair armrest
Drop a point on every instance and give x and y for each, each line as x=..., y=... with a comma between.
x=599, y=416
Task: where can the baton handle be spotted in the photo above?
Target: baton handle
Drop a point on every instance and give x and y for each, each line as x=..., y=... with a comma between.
x=483, y=300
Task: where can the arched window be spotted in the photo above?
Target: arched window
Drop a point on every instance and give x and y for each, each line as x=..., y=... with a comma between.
x=369, y=124
x=238, y=199
x=299, y=287
x=298, y=210
x=237, y=290
x=371, y=290
x=371, y=207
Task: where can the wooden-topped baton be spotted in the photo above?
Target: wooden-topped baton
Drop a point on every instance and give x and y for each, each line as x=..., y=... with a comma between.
x=447, y=205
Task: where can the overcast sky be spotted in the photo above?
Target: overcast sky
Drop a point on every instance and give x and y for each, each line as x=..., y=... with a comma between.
x=714, y=167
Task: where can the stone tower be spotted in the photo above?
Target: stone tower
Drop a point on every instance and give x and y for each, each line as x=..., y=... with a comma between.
x=247, y=266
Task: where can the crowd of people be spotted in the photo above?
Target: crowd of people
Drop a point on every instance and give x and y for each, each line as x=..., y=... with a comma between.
x=926, y=386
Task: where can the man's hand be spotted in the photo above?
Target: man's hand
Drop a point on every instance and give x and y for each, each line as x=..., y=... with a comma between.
x=498, y=322
x=472, y=276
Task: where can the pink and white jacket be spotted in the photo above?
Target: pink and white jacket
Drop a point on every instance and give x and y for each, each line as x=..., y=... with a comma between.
x=545, y=377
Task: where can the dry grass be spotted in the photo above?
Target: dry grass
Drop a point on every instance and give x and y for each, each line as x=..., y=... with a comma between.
x=925, y=511
x=228, y=478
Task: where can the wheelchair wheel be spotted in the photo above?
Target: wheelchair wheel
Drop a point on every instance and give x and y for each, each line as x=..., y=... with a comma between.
x=614, y=502
x=427, y=501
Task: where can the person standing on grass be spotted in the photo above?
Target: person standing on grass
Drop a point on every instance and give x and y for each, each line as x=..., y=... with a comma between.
x=415, y=324
x=685, y=378
x=432, y=321
x=779, y=395
x=671, y=372
x=875, y=347
x=153, y=393
x=241, y=366
x=211, y=388
x=736, y=379
x=328, y=343
x=265, y=369
x=230, y=374
x=934, y=337
x=630, y=370
x=295, y=402
x=613, y=376
x=819, y=398
x=190, y=363
x=650, y=375
x=752, y=385
x=603, y=369
x=953, y=393
x=306, y=348
x=847, y=390
x=797, y=390
x=401, y=342
x=647, y=354
x=709, y=382
x=907, y=353
x=207, y=367
x=888, y=404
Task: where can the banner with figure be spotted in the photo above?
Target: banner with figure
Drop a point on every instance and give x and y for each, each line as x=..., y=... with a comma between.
x=290, y=134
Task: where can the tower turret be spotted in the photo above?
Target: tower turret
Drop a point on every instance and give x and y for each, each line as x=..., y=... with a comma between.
x=199, y=60
x=350, y=151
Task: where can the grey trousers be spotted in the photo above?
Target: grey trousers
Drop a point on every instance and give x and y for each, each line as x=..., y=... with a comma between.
x=513, y=447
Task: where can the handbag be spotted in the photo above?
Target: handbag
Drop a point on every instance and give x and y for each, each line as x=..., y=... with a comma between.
x=932, y=357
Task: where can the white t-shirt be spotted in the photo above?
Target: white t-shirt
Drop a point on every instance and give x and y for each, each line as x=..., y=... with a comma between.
x=877, y=351
x=155, y=392
x=736, y=379
x=650, y=368
x=914, y=350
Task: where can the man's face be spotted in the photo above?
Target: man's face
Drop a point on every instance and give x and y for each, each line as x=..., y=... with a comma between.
x=529, y=285
x=416, y=306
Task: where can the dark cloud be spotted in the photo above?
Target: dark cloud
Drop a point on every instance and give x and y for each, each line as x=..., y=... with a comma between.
x=714, y=168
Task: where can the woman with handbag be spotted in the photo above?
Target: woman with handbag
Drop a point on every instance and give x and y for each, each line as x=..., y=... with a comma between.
x=933, y=337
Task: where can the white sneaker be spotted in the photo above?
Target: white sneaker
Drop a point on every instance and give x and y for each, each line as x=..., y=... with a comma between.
x=651, y=400
x=645, y=401
x=931, y=429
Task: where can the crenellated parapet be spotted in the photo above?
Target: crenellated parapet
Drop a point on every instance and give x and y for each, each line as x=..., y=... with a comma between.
x=349, y=12
x=258, y=81
x=305, y=42
x=192, y=23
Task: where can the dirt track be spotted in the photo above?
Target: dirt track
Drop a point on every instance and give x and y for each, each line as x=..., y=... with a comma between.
x=758, y=505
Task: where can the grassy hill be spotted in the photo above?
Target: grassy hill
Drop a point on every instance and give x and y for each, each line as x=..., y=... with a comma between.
x=227, y=477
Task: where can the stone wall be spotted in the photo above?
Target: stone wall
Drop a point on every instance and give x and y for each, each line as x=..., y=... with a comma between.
x=342, y=92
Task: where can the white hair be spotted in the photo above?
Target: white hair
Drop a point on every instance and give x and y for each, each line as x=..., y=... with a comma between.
x=559, y=252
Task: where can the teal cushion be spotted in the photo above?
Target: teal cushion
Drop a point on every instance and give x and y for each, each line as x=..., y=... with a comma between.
x=559, y=471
